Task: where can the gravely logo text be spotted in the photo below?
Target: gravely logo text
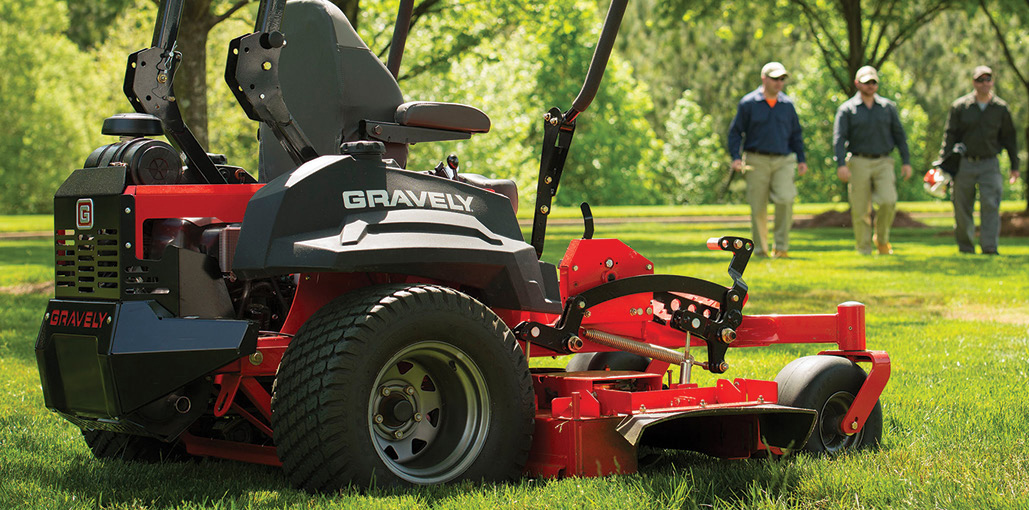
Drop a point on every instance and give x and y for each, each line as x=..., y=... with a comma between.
x=93, y=320
x=365, y=199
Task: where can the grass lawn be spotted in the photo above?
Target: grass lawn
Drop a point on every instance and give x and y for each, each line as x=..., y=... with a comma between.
x=956, y=328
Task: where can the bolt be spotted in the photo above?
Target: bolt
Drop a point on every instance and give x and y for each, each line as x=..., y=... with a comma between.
x=256, y=358
x=723, y=366
x=650, y=311
x=384, y=391
x=544, y=209
x=575, y=268
x=553, y=121
x=695, y=323
x=417, y=416
x=377, y=130
x=854, y=426
x=581, y=304
x=728, y=336
x=162, y=78
x=546, y=117
x=127, y=210
x=47, y=316
x=750, y=246
x=761, y=398
x=108, y=320
x=703, y=403
x=650, y=267
x=643, y=408
x=632, y=311
x=735, y=298
x=574, y=343
x=738, y=244
x=128, y=246
x=398, y=434
x=725, y=244
x=535, y=332
x=548, y=180
x=587, y=314
x=378, y=418
x=609, y=263
x=409, y=390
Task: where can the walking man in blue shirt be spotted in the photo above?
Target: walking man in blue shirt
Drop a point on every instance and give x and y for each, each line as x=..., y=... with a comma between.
x=868, y=127
x=767, y=127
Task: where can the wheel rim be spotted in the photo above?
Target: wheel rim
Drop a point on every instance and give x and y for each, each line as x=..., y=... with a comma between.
x=429, y=412
x=831, y=417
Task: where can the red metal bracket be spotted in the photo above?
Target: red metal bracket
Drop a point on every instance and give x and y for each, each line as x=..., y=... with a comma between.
x=227, y=394
x=869, y=393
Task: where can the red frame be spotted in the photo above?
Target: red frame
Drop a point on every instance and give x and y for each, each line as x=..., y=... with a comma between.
x=575, y=432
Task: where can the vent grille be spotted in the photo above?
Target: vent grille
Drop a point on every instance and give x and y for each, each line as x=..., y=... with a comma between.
x=86, y=265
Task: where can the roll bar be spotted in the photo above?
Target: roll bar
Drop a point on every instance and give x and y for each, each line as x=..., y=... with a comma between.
x=558, y=128
x=598, y=64
x=396, y=48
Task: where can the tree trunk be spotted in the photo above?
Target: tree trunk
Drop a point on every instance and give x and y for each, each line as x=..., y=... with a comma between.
x=191, y=76
x=851, y=10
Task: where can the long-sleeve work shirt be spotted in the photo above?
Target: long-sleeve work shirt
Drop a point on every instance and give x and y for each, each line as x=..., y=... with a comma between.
x=873, y=131
x=983, y=131
x=763, y=128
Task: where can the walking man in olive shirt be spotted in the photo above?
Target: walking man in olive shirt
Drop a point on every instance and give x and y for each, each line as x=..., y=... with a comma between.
x=767, y=126
x=982, y=123
x=868, y=127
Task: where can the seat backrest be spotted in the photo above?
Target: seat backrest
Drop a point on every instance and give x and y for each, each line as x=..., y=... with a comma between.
x=330, y=81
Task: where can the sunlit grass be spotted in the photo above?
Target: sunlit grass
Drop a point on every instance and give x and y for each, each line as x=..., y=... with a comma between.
x=956, y=328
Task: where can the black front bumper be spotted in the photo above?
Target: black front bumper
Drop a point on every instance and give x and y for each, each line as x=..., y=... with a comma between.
x=106, y=361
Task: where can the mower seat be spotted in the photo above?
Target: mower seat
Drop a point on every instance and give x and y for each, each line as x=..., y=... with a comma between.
x=331, y=82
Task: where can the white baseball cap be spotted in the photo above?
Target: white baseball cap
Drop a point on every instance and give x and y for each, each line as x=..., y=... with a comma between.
x=774, y=70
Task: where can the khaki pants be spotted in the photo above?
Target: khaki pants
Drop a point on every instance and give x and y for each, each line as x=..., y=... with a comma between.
x=872, y=180
x=770, y=177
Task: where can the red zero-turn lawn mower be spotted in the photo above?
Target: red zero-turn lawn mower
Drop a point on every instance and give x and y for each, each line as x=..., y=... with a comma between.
x=357, y=322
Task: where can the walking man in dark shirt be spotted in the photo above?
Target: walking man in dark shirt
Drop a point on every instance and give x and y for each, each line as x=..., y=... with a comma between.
x=982, y=123
x=767, y=127
x=868, y=127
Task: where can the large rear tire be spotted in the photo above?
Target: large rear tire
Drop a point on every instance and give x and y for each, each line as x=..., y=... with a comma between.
x=828, y=385
x=402, y=385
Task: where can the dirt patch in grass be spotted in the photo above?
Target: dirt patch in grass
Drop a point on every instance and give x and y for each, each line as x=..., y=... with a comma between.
x=1014, y=224
x=28, y=288
x=976, y=312
x=842, y=219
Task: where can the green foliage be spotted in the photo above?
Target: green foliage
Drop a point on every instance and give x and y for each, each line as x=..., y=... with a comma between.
x=693, y=159
x=90, y=22
x=517, y=79
x=43, y=99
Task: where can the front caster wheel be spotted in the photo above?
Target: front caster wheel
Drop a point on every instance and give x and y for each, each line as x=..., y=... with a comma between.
x=402, y=385
x=828, y=385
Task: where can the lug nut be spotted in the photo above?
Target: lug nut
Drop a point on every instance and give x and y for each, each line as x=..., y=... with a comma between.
x=384, y=391
x=409, y=390
x=417, y=416
x=398, y=434
x=378, y=418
